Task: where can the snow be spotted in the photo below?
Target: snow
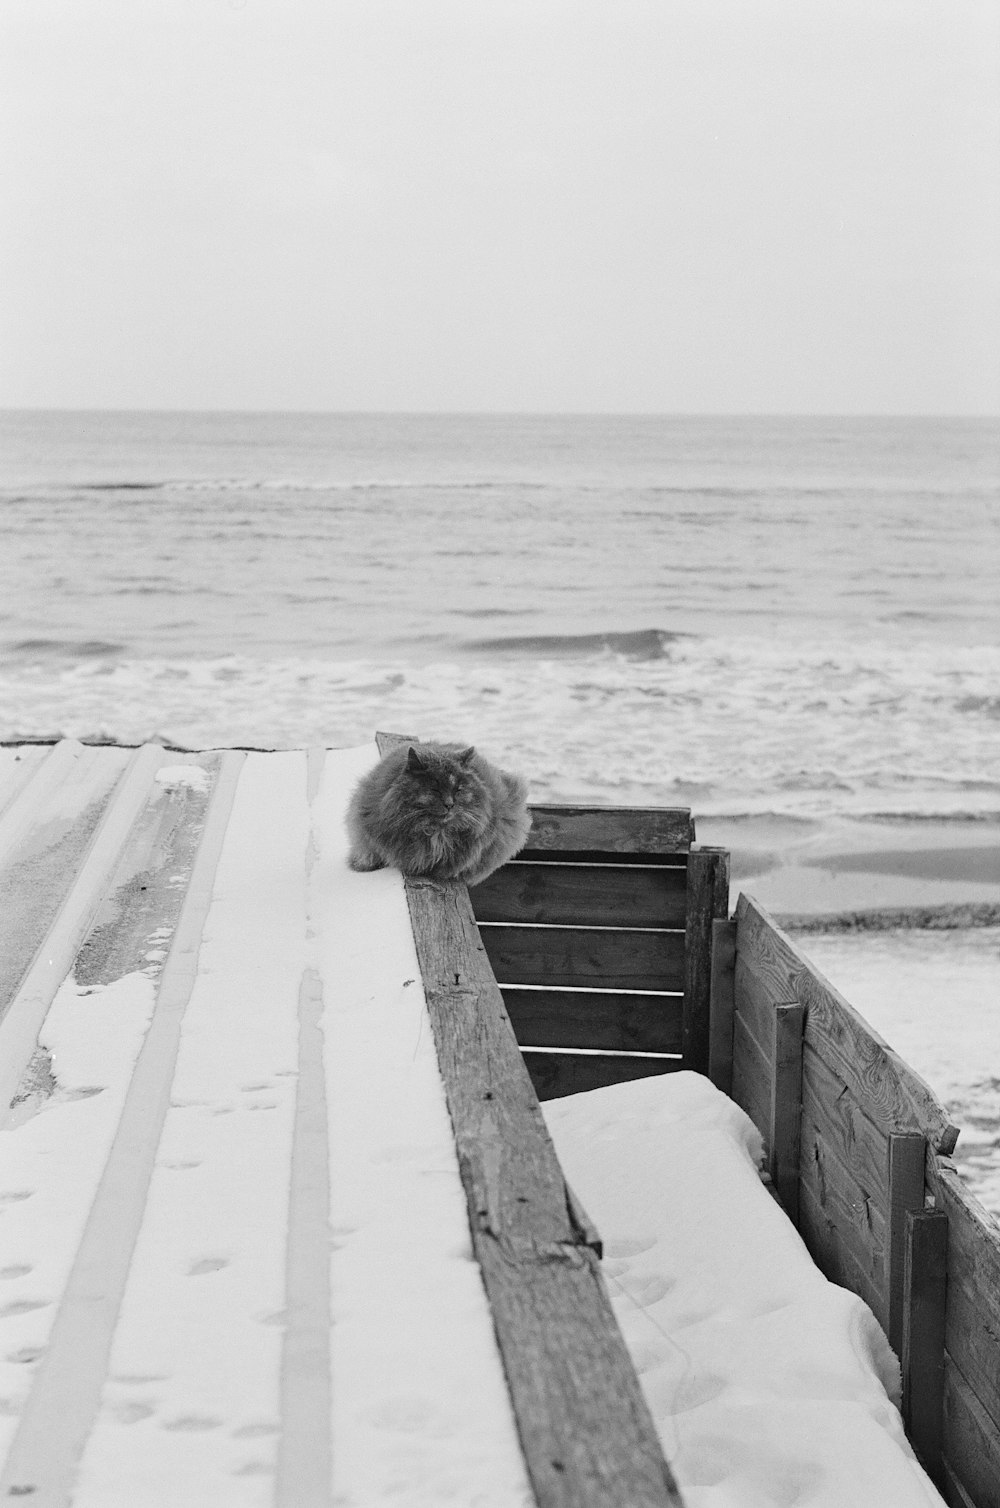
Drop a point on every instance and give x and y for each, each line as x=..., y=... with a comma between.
x=769, y=1386
x=173, y=776
x=421, y=1414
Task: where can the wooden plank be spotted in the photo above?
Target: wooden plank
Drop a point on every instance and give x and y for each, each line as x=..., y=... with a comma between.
x=586, y=1432
x=751, y=1084
x=44, y=835
x=616, y=1021
x=80, y=905
x=826, y=1231
x=841, y=1225
x=925, y=1280
x=555, y=1074
x=889, y=1091
x=971, y=1441
x=907, y=1157
x=858, y=1142
x=972, y=1320
x=639, y=829
x=583, y=895
x=722, y=1005
x=955, y=1494
x=707, y=901
x=586, y=957
x=786, y=1104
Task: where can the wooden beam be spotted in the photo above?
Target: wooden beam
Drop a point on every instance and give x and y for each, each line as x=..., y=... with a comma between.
x=608, y=1020
x=722, y=1005
x=907, y=1158
x=925, y=1281
x=555, y=1074
x=635, y=829
x=707, y=901
x=586, y=1432
x=787, y=1023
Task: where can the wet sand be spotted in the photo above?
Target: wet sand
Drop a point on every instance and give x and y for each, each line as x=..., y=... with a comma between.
x=867, y=875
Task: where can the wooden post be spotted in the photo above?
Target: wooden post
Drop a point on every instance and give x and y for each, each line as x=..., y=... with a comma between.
x=707, y=900
x=722, y=1005
x=925, y=1281
x=787, y=1023
x=907, y=1158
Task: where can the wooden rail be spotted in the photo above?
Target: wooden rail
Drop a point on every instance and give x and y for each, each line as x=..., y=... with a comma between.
x=586, y=1432
x=858, y=1150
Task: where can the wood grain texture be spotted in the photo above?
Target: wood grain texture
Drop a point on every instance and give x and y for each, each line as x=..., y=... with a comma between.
x=972, y=1316
x=707, y=901
x=886, y=1087
x=907, y=1157
x=555, y=1074
x=840, y=1223
x=722, y=1005
x=583, y=895
x=597, y=1019
x=786, y=1104
x=925, y=1280
x=971, y=1441
x=651, y=829
x=586, y=957
x=586, y=1432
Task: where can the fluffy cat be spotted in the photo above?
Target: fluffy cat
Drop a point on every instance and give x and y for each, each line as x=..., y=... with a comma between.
x=439, y=811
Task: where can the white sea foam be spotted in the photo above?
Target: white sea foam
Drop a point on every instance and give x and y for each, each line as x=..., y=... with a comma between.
x=725, y=725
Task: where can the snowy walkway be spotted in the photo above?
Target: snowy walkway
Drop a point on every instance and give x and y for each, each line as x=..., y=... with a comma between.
x=236, y=1262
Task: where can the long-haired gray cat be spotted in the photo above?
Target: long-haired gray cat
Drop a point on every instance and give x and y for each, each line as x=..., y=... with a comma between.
x=439, y=811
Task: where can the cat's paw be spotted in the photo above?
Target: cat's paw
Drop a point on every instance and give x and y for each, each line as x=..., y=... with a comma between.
x=364, y=863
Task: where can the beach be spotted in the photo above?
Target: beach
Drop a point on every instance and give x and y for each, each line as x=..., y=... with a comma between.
x=789, y=626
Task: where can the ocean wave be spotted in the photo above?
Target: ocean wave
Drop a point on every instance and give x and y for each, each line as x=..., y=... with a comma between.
x=637, y=644
x=63, y=649
x=725, y=726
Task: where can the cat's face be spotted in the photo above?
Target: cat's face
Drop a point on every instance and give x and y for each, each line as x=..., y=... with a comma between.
x=442, y=786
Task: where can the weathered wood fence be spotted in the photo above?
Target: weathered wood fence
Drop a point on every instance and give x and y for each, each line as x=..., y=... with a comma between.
x=858, y=1152
x=599, y=934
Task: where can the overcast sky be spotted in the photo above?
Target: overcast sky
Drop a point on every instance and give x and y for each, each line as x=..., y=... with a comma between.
x=604, y=205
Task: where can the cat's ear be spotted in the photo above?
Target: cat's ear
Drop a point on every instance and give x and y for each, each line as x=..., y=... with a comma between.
x=413, y=761
x=466, y=755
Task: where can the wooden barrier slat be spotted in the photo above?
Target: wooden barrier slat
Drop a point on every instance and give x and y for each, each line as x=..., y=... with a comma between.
x=586, y=1432
x=598, y=1019
x=973, y=1309
x=722, y=1005
x=649, y=829
x=583, y=895
x=925, y=1284
x=971, y=1440
x=786, y=1105
x=907, y=1157
x=707, y=901
x=555, y=1074
x=612, y=958
x=886, y=1087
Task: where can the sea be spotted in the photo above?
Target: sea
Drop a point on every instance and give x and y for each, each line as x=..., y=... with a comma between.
x=766, y=619
x=738, y=614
